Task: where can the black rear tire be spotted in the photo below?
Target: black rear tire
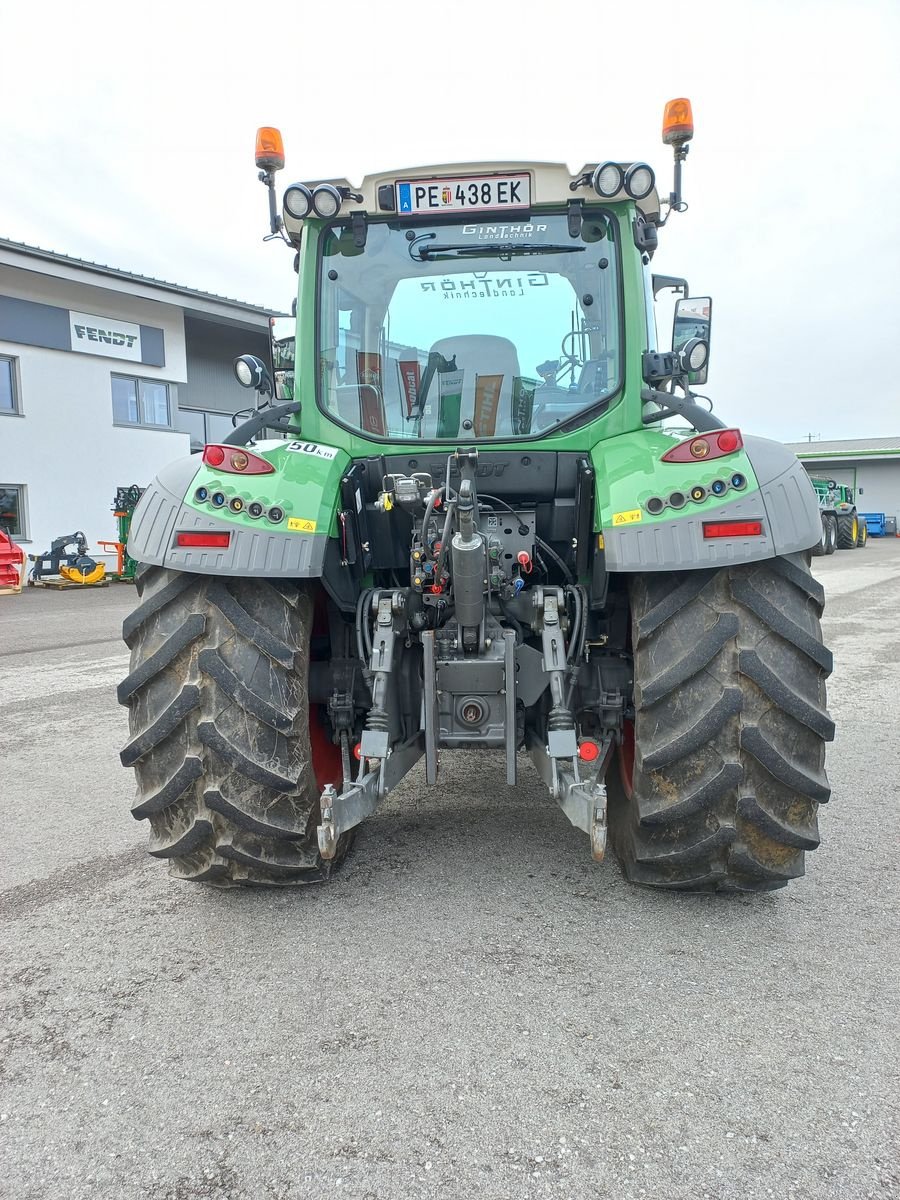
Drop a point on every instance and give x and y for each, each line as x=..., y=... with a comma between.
x=729, y=728
x=847, y=531
x=862, y=538
x=831, y=528
x=221, y=741
x=821, y=547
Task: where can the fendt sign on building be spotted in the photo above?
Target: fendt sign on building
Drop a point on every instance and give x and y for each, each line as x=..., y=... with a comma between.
x=31, y=323
x=107, y=336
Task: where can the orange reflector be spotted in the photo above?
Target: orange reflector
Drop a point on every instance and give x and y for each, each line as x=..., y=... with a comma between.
x=357, y=751
x=588, y=751
x=717, y=529
x=678, y=122
x=218, y=540
x=269, y=148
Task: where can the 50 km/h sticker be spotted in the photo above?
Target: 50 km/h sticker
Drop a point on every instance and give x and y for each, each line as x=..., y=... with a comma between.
x=630, y=517
x=299, y=525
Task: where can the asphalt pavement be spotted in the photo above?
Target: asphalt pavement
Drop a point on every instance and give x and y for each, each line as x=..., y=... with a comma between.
x=471, y=1008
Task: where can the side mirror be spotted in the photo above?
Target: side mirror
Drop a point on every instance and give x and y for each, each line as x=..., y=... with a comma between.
x=252, y=372
x=693, y=316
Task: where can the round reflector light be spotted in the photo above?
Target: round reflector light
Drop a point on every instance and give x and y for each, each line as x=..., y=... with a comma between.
x=239, y=460
x=298, y=201
x=214, y=456
x=327, y=201
x=639, y=181
x=608, y=179
x=728, y=441
x=588, y=751
x=699, y=448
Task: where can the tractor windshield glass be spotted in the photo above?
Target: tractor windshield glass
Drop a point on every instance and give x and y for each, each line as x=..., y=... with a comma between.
x=469, y=330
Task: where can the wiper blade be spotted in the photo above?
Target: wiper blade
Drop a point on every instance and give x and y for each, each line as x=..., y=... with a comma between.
x=502, y=250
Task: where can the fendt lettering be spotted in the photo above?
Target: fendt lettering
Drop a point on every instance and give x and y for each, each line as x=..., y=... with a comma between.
x=508, y=524
x=110, y=336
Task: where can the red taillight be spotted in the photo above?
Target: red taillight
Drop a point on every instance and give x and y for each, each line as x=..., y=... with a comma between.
x=588, y=751
x=216, y=540
x=709, y=445
x=717, y=529
x=235, y=460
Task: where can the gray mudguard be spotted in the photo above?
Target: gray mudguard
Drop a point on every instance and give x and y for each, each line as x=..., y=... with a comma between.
x=160, y=513
x=786, y=503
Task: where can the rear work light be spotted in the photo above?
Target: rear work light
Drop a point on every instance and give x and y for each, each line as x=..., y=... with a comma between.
x=717, y=529
x=708, y=445
x=218, y=541
x=235, y=461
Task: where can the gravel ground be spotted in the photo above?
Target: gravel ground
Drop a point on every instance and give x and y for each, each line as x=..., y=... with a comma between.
x=472, y=1008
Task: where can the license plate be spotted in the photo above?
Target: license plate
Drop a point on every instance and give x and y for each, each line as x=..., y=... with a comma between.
x=473, y=193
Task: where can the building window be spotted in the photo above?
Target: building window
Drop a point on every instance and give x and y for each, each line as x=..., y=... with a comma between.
x=206, y=427
x=12, y=510
x=140, y=402
x=9, y=395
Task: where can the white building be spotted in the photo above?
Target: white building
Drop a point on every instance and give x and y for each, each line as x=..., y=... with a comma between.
x=871, y=466
x=105, y=376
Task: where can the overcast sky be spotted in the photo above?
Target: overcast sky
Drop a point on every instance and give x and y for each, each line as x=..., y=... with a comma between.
x=127, y=132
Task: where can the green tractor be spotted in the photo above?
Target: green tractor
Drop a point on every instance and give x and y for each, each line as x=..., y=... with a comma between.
x=843, y=528
x=489, y=513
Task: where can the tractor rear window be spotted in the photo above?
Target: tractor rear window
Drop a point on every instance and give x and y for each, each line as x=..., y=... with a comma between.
x=469, y=330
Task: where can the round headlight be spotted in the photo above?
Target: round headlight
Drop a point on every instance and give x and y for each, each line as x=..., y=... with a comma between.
x=696, y=352
x=607, y=180
x=327, y=201
x=639, y=181
x=298, y=201
x=243, y=372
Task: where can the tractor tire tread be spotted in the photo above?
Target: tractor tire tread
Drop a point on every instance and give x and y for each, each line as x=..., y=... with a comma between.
x=729, y=760
x=219, y=728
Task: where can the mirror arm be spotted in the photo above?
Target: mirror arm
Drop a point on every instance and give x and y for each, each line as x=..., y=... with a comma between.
x=681, y=406
x=269, y=418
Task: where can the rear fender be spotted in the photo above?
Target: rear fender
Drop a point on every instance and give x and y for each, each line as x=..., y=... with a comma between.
x=629, y=472
x=305, y=485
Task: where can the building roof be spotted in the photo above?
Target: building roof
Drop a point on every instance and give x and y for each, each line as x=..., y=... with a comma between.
x=81, y=264
x=884, y=447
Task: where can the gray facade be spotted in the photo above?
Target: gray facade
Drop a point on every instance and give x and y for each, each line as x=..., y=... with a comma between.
x=211, y=350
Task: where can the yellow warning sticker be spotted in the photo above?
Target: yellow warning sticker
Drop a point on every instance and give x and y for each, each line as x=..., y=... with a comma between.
x=300, y=526
x=627, y=518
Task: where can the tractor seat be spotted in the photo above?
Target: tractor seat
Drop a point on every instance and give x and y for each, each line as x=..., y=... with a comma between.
x=478, y=354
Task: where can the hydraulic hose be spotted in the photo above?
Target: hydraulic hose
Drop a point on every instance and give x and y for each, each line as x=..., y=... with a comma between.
x=429, y=509
x=445, y=534
x=551, y=553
